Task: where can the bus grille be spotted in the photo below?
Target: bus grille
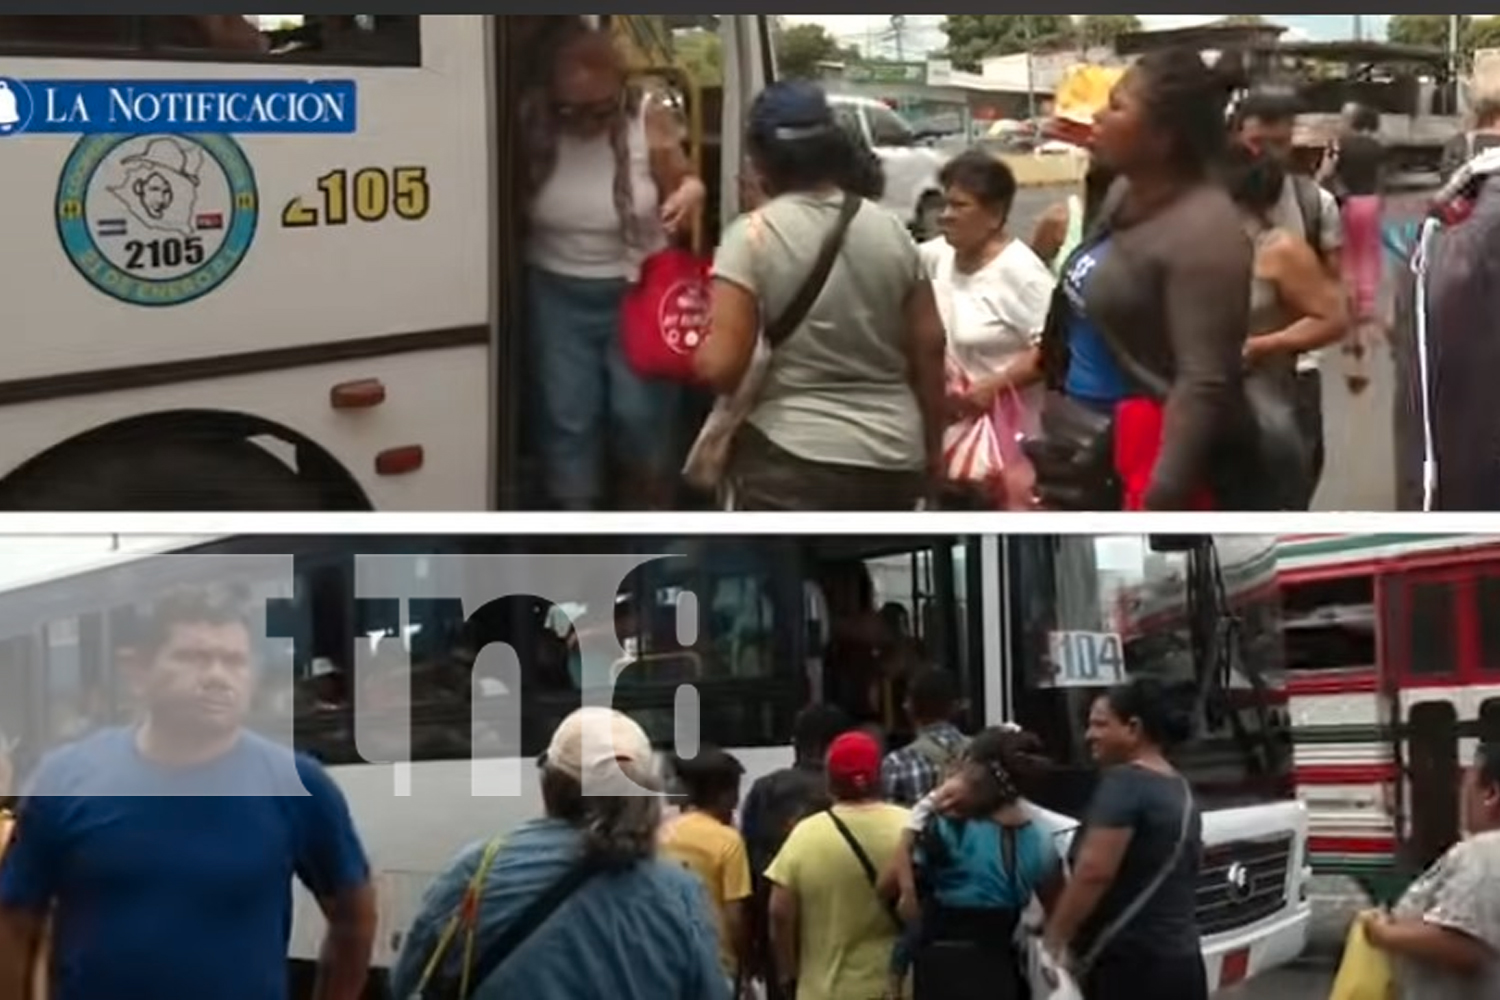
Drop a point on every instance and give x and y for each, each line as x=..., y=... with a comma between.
x=1242, y=883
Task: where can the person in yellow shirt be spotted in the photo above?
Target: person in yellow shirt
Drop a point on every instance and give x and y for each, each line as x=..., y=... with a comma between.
x=831, y=929
x=703, y=840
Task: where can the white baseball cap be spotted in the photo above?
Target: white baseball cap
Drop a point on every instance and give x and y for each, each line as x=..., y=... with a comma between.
x=591, y=743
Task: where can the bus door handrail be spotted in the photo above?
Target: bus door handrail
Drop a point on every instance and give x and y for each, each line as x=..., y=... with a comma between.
x=692, y=93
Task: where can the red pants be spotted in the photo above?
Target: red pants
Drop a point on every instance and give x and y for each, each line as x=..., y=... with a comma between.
x=1138, y=432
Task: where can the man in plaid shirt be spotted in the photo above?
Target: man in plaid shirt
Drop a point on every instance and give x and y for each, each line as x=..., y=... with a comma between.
x=908, y=774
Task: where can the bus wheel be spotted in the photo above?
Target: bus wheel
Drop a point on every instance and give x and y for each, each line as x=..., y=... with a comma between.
x=163, y=475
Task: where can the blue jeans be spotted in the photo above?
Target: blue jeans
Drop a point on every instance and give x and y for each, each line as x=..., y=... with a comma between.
x=590, y=404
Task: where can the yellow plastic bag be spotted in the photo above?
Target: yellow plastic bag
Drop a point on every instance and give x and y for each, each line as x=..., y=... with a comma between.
x=1365, y=972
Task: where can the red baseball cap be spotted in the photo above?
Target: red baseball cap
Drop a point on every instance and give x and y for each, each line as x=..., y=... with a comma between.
x=854, y=758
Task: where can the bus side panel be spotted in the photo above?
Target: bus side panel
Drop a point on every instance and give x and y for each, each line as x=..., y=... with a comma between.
x=425, y=406
x=293, y=286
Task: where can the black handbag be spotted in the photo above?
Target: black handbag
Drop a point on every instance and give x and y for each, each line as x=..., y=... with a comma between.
x=1074, y=457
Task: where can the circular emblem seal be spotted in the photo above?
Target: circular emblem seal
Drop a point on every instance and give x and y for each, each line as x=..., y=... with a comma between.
x=157, y=220
x=683, y=316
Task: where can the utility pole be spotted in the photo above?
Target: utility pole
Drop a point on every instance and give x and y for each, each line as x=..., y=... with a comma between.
x=1359, y=27
x=1030, y=41
x=898, y=27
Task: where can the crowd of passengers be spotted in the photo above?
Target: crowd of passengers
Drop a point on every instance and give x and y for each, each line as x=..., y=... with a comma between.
x=1154, y=345
x=155, y=860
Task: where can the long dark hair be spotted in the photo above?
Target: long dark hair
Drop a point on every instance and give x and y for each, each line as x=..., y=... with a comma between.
x=1189, y=100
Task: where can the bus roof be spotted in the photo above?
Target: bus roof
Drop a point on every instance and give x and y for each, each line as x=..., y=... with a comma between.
x=45, y=579
x=34, y=560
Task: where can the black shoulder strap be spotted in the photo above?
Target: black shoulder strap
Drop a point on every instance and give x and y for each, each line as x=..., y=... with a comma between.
x=518, y=931
x=869, y=866
x=780, y=331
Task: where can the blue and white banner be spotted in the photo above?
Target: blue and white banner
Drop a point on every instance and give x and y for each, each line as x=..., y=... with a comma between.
x=140, y=107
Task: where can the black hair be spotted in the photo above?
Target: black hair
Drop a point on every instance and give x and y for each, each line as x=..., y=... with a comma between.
x=1364, y=119
x=863, y=171
x=708, y=777
x=933, y=694
x=1097, y=184
x=186, y=607
x=998, y=758
x=816, y=727
x=1253, y=178
x=1270, y=104
x=983, y=176
x=1185, y=97
x=1149, y=702
x=1487, y=762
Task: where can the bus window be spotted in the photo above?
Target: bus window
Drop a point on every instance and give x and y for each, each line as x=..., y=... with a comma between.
x=1487, y=601
x=1432, y=645
x=18, y=699
x=1330, y=625
x=357, y=39
x=1094, y=611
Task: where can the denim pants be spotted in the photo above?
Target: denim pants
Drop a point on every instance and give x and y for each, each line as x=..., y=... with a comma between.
x=590, y=405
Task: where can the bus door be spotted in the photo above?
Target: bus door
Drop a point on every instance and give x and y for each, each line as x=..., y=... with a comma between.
x=1427, y=636
x=713, y=114
x=902, y=608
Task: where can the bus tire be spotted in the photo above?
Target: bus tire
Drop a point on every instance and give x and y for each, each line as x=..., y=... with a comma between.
x=162, y=475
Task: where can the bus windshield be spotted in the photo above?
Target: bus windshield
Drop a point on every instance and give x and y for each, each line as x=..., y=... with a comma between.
x=1202, y=616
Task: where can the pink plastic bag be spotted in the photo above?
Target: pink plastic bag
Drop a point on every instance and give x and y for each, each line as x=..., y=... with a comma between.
x=986, y=450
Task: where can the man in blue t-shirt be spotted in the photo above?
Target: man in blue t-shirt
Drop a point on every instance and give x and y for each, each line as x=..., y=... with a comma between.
x=164, y=854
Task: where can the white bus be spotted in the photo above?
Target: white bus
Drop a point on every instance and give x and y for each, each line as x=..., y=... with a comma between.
x=342, y=332
x=1029, y=624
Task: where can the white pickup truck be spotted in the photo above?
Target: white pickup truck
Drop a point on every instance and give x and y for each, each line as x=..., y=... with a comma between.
x=912, y=190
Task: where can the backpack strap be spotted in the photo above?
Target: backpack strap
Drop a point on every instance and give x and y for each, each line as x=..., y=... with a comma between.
x=465, y=919
x=780, y=330
x=929, y=749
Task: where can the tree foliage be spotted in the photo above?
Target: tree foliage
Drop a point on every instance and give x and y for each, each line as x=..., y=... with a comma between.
x=1434, y=32
x=1103, y=29
x=1243, y=20
x=974, y=37
x=1430, y=30
x=701, y=53
x=801, y=47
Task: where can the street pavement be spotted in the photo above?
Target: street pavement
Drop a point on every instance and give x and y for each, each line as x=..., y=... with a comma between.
x=1297, y=983
x=1360, y=474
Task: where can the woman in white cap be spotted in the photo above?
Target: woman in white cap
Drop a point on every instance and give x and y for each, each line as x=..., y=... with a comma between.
x=574, y=905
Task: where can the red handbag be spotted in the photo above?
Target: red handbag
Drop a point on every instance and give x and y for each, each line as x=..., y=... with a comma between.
x=665, y=316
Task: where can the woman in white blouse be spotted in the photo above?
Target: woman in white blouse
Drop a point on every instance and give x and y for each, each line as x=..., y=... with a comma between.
x=994, y=294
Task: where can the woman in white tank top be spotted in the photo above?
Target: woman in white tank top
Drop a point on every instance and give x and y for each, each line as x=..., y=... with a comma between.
x=608, y=184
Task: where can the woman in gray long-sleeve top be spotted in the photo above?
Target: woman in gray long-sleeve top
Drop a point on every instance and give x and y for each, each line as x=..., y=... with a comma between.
x=1149, y=327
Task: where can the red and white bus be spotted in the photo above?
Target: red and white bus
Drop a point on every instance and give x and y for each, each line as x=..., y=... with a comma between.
x=1393, y=656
